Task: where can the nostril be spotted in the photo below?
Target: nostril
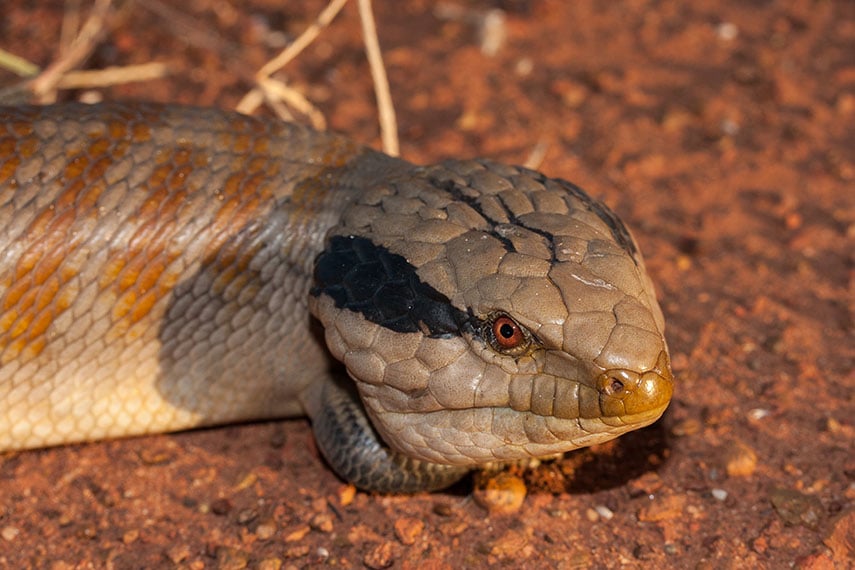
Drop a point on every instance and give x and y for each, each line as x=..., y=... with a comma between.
x=616, y=383
x=625, y=393
x=615, y=386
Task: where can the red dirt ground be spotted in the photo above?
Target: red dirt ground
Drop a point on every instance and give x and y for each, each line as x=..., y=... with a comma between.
x=721, y=131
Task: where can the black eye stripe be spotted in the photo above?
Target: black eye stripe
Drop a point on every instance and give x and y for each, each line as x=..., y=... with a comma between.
x=384, y=287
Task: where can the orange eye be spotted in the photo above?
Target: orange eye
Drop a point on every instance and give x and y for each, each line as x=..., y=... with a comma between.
x=508, y=333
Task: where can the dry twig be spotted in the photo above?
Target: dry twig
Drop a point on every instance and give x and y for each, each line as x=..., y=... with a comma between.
x=17, y=65
x=274, y=91
x=388, y=123
x=76, y=46
x=44, y=86
x=536, y=156
x=91, y=79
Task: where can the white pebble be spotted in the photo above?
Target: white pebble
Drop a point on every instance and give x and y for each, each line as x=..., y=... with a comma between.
x=604, y=512
x=727, y=31
x=9, y=533
x=758, y=414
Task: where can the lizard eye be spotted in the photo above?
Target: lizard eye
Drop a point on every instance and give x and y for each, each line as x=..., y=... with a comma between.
x=505, y=335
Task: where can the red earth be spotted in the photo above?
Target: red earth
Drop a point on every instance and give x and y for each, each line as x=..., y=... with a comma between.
x=722, y=133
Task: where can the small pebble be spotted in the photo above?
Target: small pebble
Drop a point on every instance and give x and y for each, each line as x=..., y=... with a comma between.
x=453, y=528
x=270, y=564
x=501, y=494
x=511, y=543
x=346, y=495
x=727, y=31
x=298, y=534
x=322, y=522
x=758, y=414
x=247, y=481
x=719, y=494
x=604, y=512
x=221, y=507
x=524, y=66
x=246, y=516
x=408, y=529
x=443, y=509
x=265, y=530
x=178, y=553
x=840, y=538
x=834, y=426
x=741, y=460
x=665, y=508
x=687, y=427
x=297, y=551
x=797, y=508
x=380, y=556
x=9, y=533
x=231, y=558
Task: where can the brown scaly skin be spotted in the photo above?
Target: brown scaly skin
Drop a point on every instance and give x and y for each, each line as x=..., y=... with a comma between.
x=165, y=267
